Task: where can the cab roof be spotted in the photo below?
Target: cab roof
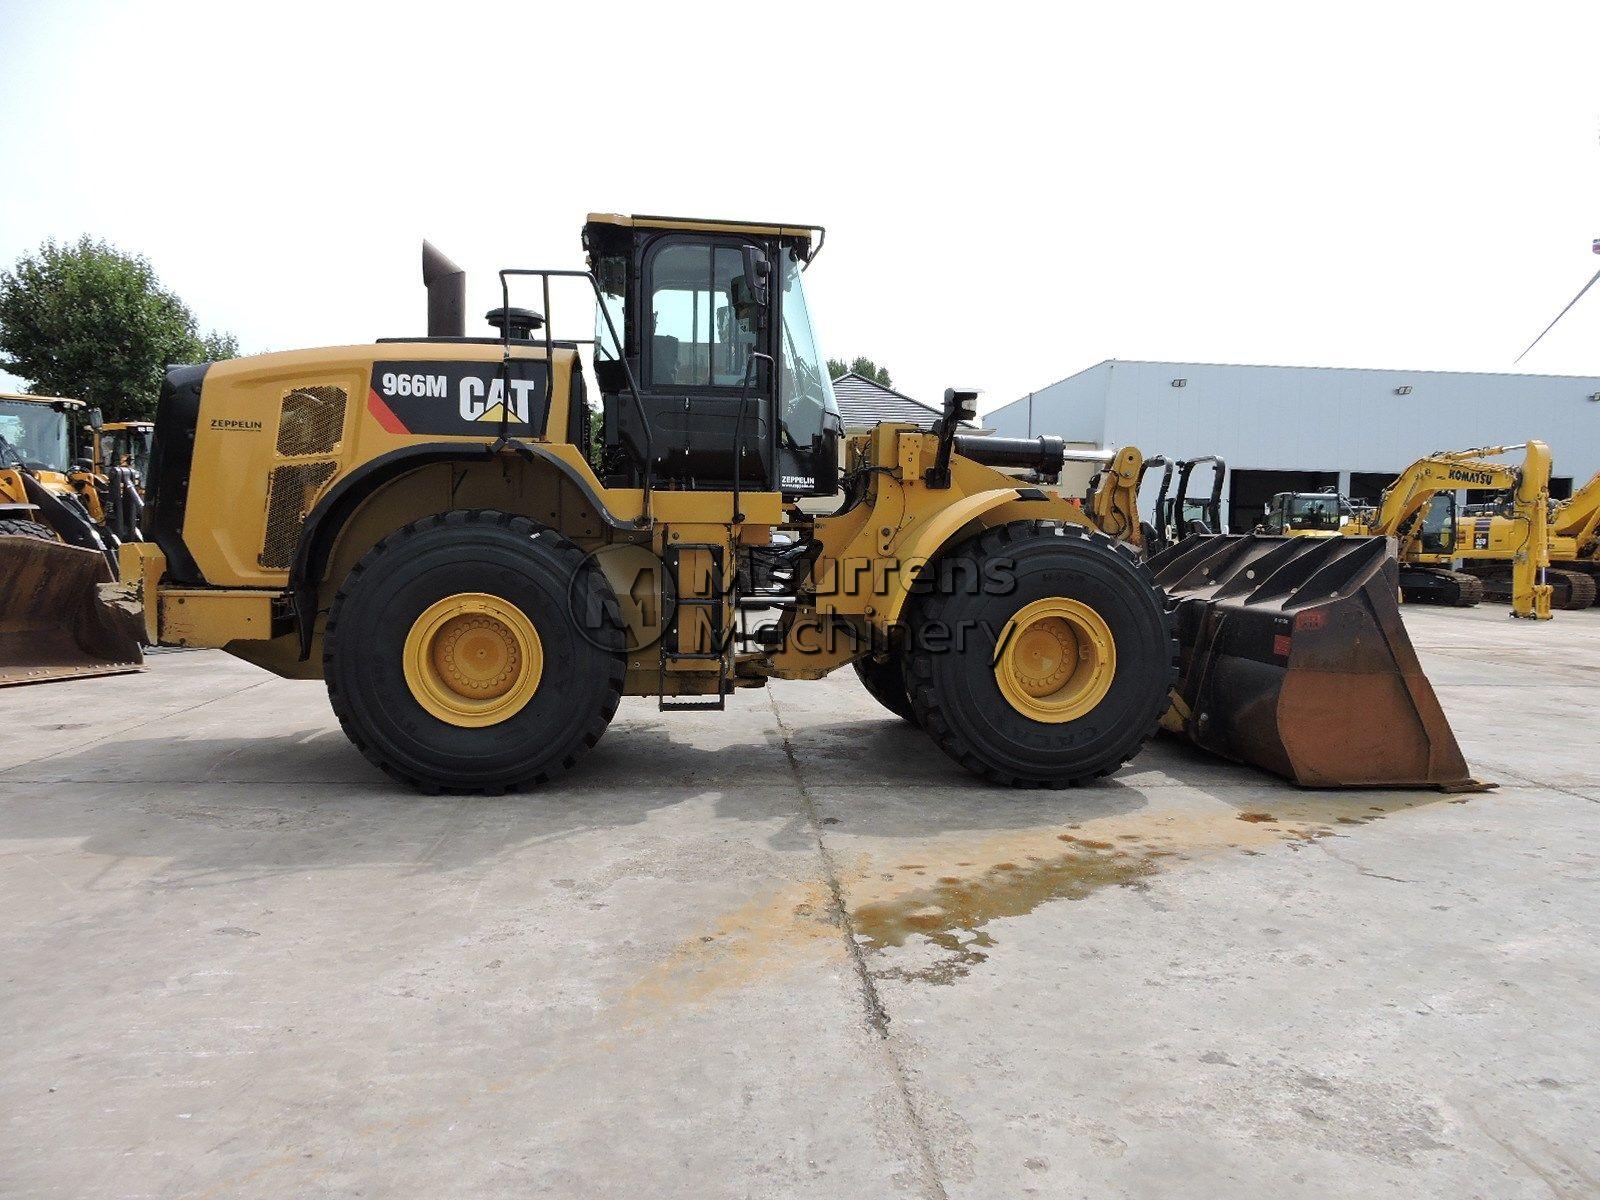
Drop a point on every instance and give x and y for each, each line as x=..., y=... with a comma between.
x=798, y=232
x=53, y=401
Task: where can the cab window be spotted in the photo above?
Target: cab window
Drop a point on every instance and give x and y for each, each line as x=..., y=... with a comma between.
x=1439, y=524
x=696, y=337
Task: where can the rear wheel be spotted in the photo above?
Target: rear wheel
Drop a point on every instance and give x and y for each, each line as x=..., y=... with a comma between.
x=886, y=683
x=31, y=529
x=1056, y=670
x=455, y=659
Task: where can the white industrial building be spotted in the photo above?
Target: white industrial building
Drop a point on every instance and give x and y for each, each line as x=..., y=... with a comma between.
x=1307, y=428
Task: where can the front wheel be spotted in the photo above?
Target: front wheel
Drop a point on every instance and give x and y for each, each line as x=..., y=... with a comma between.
x=474, y=651
x=1055, y=669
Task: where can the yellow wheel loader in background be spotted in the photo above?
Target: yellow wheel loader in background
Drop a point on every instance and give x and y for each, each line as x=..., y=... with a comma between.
x=425, y=524
x=1309, y=514
x=56, y=550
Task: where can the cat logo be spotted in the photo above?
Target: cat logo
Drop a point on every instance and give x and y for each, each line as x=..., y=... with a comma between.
x=480, y=404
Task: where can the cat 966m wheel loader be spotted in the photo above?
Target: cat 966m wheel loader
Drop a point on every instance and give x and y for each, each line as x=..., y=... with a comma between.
x=481, y=550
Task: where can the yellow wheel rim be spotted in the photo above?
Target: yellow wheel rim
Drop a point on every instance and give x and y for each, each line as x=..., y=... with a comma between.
x=473, y=659
x=1056, y=660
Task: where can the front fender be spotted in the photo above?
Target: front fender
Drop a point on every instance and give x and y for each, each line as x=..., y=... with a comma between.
x=918, y=542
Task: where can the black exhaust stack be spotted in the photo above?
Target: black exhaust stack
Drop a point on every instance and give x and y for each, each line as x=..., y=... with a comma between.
x=447, y=293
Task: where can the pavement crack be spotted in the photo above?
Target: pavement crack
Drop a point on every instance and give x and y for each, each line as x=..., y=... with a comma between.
x=877, y=1015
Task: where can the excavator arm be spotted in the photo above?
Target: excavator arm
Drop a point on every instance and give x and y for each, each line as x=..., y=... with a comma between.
x=1579, y=518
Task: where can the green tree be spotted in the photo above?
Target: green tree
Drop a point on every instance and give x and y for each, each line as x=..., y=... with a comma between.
x=85, y=319
x=863, y=367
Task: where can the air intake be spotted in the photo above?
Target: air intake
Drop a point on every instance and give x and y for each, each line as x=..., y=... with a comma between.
x=291, y=491
x=311, y=421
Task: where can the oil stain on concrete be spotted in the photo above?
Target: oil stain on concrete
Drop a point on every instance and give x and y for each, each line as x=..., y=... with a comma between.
x=948, y=892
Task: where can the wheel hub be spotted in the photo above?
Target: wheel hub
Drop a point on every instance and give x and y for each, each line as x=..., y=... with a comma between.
x=473, y=659
x=1056, y=660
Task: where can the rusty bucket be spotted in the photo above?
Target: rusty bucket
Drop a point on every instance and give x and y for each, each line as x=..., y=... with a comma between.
x=53, y=623
x=1294, y=658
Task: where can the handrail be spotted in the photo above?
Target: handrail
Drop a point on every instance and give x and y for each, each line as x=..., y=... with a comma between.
x=738, y=424
x=545, y=276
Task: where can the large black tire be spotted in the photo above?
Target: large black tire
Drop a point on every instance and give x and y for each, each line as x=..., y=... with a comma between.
x=886, y=683
x=13, y=528
x=536, y=570
x=953, y=689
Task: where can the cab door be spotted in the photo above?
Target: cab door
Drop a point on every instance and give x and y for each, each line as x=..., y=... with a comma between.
x=704, y=311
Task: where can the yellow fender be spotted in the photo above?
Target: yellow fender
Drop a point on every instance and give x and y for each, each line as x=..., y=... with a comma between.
x=919, y=541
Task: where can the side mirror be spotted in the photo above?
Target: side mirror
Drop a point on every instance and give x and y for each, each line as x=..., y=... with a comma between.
x=95, y=419
x=757, y=271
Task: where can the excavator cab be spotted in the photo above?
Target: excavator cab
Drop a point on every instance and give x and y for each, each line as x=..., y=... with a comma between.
x=1437, y=534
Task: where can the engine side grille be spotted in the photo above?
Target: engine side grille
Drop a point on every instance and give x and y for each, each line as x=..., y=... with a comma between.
x=291, y=491
x=311, y=421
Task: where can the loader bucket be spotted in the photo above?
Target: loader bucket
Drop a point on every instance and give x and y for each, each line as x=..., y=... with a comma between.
x=1294, y=658
x=53, y=624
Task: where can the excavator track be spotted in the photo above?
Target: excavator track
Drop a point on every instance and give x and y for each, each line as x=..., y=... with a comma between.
x=1571, y=590
x=1440, y=585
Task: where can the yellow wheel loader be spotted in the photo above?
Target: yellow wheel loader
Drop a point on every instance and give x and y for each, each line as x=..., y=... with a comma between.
x=56, y=551
x=121, y=464
x=427, y=525
x=1309, y=514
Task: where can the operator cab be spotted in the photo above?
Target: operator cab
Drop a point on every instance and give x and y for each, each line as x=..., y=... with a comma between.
x=35, y=431
x=127, y=444
x=1307, y=512
x=1438, y=532
x=704, y=311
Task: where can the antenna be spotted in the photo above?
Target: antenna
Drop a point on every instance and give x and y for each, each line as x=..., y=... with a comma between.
x=1563, y=312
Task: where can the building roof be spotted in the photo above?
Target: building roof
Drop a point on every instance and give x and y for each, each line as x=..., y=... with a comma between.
x=864, y=403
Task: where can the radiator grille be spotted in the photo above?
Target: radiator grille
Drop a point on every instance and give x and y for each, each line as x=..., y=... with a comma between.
x=312, y=420
x=291, y=491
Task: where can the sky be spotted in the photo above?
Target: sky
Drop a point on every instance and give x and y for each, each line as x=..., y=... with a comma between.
x=1012, y=193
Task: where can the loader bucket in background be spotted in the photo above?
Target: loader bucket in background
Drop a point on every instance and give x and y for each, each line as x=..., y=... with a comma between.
x=1294, y=658
x=53, y=623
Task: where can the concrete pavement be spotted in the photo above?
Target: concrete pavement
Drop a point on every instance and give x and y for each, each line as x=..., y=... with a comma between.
x=790, y=951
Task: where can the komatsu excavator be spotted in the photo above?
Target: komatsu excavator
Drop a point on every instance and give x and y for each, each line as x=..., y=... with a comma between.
x=1419, y=509
x=428, y=525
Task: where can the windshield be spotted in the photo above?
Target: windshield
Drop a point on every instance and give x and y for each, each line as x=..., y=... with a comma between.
x=36, y=433
x=805, y=392
x=131, y=448
x=1314, y=512
x=1439, y=524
